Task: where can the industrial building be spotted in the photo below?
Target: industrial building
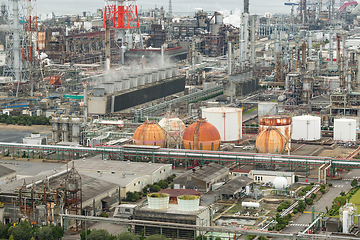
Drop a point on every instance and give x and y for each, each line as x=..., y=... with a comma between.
x=261, y=176
x=234, y=189
x=201, y=178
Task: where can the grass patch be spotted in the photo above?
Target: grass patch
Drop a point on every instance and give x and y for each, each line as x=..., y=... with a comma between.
x=355, y=199
x=249, y=111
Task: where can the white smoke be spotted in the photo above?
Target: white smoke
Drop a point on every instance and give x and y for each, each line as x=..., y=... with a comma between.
x=232, y=17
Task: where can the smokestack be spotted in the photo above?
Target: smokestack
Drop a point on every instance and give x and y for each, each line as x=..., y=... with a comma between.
x=331, y=57
x=358, y=68
x=16, y=45
x=246, y=6
x=253, y=40
x=229, y=58
x=340, y=62
x=107, y=45
x=246, y=35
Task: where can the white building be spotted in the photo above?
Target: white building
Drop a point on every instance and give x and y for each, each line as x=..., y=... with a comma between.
x=263, y=176
x=130, y=176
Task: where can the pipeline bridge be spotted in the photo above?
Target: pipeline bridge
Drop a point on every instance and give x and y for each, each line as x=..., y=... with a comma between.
x=187, y=158
x=218, y=229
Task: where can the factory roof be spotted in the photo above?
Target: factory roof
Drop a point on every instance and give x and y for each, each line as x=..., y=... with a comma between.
x=234, y=186
x=122, y=180
x=271, y=173
x=4, y=171
x=205, y=173
x=97, y=164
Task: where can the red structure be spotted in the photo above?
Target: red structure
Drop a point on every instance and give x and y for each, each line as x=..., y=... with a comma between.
x=30, y=28
x=123, y=14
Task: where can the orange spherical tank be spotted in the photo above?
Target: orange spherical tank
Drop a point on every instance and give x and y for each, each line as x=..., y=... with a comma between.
x=203, y=135
x=270, y=141
x=150, y=134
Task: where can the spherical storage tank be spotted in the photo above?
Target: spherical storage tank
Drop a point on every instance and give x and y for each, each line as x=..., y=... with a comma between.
x=228, y=122
x=280, y=183
x=149, y=134
x=158, y=200
x=345, y=130
x=188, y=203
x=172, y=125
x=204, y=134
x=306, y=128
x=270, y=141
x=282, y=123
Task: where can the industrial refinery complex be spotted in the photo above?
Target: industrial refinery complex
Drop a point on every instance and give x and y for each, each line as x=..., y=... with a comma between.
x=191, y=126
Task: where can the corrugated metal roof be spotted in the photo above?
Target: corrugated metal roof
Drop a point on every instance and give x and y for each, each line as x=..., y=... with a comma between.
x=234, y=185
x=207, y=173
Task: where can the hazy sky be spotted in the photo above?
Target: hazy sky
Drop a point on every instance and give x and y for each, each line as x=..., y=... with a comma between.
x=60, y=7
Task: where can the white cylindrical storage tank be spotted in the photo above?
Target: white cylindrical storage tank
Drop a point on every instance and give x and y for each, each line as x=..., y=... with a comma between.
x=149, y=77
x=119, y=85
x=155, y=76
x=158, y=200
x=141, y=80
x=306, y=128
x=228, y=122
x=280, y=183
x=168, y=72
x=267, y=108
x=109, y=87
x=345, y=130
x=126, y=83
x=188, y=203
x=250, y=204
x=247, y=190
x=162, y=74
x=133, y=82
x=345, y=221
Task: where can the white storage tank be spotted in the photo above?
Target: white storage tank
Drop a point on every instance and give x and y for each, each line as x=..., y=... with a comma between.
x=280, y=183
x=133, y=82
x=158, y=200
x=306, y=128
x=188, y=203
x=345, y=130
x=228, y=122
x=250, y=204
x=267, y=108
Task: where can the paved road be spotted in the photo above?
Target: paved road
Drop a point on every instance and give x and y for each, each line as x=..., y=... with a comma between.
x=326, y=200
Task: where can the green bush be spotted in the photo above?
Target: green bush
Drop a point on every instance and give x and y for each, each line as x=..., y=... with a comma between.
x=155, y=188
x=295, y=211
x=330, y=184
x=283, y=205
x=104, y=214
x=309, y=201
x=354, y=183
x=163, y=184
x=313, y=195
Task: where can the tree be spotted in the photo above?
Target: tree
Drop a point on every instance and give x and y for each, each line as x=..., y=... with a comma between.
x=342, y=193
x=128, y=236
x=100, y=234
x=354, y=183
x=262, y=238
x=44, y=233
x=156, y=237
x=21, y=231
x=57, y=231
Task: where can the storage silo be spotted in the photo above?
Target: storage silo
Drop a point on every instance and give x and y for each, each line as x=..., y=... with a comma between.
x=158, y=200
x=228, y=122
x=345, y=130
x=306, y=128
x=282, y=123
x=188, y=203
x=267, y=108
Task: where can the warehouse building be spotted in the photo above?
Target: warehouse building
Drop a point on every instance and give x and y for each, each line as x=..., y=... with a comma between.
x=201, y=178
